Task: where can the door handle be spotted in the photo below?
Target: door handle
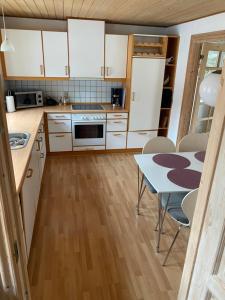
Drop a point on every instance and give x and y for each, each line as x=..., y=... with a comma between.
x=133, y=96
x=29, y=173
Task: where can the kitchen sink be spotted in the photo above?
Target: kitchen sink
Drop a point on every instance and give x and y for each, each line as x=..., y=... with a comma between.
x=18, y=140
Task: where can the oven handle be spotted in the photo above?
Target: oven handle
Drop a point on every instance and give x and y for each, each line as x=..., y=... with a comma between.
x=89, y=123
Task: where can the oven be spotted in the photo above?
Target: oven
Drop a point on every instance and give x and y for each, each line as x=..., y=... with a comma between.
x=89, y=129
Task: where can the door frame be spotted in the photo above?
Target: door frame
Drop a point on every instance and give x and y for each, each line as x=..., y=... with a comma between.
x=10, y=206
x=212, y=153
x=191, y=77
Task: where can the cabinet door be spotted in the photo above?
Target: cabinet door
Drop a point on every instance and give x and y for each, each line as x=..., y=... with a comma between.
x=60, y=142
x=146, y=93
x=116, y=140
x=86, y=48
x=55, y=47
x=138, y=139
x=115, y=56
x=27, y=59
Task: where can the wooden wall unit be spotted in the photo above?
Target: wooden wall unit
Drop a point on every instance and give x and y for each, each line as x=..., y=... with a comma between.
x=167, y=94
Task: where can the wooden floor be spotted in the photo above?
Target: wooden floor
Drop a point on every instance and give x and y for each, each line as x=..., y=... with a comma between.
x=89, y=244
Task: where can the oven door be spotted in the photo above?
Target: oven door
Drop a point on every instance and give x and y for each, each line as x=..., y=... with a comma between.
x=88, y=133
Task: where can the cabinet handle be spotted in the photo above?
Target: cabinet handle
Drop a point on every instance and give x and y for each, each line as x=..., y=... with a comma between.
x=61, y=116
x=117, y=134
x=29, y=173
x=102, y=71
x=59, y=136
x=107, y=71
x=59, y=123
x=117, y=122
x=133, y=96
x=42, y=155
x=38, y=143
x=117, y=116
x=142, y=133
x=42, y=69
x=66, y=70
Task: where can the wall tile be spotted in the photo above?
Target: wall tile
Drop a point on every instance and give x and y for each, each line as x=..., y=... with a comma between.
x=78, y=90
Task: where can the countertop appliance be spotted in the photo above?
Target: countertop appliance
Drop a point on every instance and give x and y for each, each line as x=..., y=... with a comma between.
x=28, y=99
x=117, y=96
x=89, y=129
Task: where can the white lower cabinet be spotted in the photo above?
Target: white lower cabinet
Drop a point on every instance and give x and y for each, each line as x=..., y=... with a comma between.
x=117, y=125
x=31, y=188
x=116, y=140
x=59, y=126
x=60, y=142
x=138, y=139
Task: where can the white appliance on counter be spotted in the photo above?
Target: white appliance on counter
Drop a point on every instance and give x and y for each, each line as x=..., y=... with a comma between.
x=88, y=129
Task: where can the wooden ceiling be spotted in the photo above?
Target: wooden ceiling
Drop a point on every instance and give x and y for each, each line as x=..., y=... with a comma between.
x=143, y=12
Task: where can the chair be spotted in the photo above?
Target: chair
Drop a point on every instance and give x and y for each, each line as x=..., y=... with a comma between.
x=182, y=215
x=159, y=144
x=193, y=142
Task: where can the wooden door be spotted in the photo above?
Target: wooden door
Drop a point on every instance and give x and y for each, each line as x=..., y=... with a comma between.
x=27, y=59
x=115, y=56
x=55, y=47
x=203, y=276
x=146, y=93
x=86, y=48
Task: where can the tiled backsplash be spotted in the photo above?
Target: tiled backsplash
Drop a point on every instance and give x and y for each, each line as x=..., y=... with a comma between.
x=78, y=90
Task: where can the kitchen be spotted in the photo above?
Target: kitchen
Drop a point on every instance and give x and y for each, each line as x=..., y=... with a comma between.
x=83, y=99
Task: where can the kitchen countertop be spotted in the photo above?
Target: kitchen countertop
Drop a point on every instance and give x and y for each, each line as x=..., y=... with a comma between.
x=28, y=120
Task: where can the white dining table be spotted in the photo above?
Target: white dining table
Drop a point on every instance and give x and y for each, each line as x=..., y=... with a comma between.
x=157, y=176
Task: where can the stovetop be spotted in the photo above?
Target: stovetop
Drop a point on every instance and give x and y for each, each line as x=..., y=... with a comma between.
x=87, y=107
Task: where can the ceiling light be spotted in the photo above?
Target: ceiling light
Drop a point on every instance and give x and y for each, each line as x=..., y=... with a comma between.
x=209, y=89
x=6, y=46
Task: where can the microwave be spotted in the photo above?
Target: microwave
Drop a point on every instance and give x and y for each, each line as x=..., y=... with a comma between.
x=28, y=99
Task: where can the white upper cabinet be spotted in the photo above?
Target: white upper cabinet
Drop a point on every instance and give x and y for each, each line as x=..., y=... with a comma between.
x=55, y=46
x=27, y=59
x=86, y=48
x=115, y=56
x=146, y=93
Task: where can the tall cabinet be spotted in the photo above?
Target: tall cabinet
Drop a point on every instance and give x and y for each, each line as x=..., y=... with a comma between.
x=146, y=65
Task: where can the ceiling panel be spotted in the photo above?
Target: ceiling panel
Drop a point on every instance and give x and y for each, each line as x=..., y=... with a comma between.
x=144, y=12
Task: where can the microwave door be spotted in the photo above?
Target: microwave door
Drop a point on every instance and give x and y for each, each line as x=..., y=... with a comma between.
x=26, y=100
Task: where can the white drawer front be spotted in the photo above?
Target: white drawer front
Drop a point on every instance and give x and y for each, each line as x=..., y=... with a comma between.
x=138, y=139
x=116, y=140
x=60, y=142
x=59, y=126
x=117, y=115
x=117, y=125
x=86, y=148
x=59, y=116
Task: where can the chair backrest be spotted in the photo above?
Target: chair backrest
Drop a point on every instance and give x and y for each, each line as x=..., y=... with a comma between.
x=193, y=142
x=159, y=144
x=188, y=204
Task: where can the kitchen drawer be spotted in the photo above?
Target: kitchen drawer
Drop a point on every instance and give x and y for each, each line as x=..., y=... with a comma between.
x=138, y=139
x=60, y=142
x=117, y=125
x=116, y=140
x=59, y=126
x=117, y=115
x=86, y=148
x=59, y=116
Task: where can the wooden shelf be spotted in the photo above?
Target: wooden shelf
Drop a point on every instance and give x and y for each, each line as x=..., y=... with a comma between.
x=166, y=108
x=152, y=45
x=148, y=55
x=163, y=128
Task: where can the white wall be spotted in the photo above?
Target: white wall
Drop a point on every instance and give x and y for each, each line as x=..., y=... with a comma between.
x=185, y=31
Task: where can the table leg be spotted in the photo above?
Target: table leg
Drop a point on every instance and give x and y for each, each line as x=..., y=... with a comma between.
x=140, y=189
x=159, y=217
